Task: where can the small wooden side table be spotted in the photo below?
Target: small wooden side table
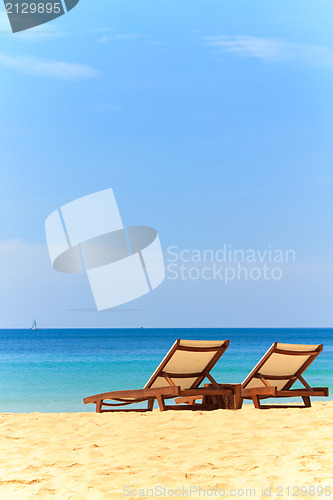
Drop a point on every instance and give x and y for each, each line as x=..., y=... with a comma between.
x=226, y=401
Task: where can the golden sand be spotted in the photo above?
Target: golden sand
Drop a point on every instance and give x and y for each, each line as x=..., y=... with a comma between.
x=83, y=456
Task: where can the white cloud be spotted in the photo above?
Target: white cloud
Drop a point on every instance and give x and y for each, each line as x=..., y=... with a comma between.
x=109, y=35
x=271, y=49
x=102, y=29
x=35, y=34
x=123, y=36
x=48, y=68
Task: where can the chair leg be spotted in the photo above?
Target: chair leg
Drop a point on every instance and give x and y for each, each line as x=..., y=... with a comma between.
x=99, y=406
x=307, y=401
x=151, y=402
x=256, y=401
x=238, y=401
x=160, y=401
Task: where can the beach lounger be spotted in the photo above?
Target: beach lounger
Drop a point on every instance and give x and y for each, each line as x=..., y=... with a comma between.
x=184, y=368
x=277, y=372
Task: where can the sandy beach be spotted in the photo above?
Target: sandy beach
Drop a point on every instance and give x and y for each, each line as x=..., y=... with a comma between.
x=181, y=454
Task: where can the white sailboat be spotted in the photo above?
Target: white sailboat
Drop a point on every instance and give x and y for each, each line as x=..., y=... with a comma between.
x=34, y=326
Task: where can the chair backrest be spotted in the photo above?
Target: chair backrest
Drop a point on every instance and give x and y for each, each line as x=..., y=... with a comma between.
x=282, y=365
x=188, y=363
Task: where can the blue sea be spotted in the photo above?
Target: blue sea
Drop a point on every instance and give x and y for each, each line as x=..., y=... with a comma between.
x=53, y=370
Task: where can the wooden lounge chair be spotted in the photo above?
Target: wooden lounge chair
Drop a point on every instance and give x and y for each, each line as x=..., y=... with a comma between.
x=276, y=373
x=180, y=373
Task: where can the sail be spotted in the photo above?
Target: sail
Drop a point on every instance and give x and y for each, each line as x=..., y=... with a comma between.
x=34, y=326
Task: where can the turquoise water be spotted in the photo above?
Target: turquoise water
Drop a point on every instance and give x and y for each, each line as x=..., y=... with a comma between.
x=53, y=370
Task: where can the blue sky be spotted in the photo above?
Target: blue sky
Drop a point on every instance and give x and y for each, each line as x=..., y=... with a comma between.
x=212, y=122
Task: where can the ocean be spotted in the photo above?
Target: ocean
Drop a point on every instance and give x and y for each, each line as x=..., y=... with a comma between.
x=51, y=370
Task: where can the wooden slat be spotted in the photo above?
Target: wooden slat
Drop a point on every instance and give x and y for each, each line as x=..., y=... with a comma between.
x=188, y=399
x=198, y=349
x=205, y=392
x=271, y=407
x=296, y=353
x=265, y=391
x=124, y=403
x=134, y=394
x=195, y=407
x=303, y=392
x=275, y=377
x=180, y=375
x=128, y=410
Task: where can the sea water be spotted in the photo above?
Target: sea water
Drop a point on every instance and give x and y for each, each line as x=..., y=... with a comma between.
x=53, y=370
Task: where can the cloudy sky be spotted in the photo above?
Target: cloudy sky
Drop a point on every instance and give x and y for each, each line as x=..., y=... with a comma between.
x=211, y=120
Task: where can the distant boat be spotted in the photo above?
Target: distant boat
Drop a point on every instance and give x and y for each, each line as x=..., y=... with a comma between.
x=34, y=326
